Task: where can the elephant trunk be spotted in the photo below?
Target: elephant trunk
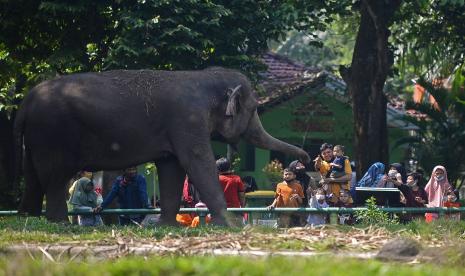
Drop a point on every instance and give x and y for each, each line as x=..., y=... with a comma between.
x=257, y=136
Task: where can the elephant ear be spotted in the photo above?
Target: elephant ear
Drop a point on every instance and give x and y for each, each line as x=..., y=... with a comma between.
x=233, y=98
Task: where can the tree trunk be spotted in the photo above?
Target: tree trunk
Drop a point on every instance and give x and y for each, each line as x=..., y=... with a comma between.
x=7, y=197
x=365, y=78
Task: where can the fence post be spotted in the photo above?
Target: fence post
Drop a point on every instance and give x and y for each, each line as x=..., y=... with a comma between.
x=249, y=218
x=202, y=220
x=332, y=218
x=441, y=213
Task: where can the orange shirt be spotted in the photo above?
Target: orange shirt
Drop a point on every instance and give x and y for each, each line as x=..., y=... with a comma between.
x=284, y=192
x=196, y=221
x=184, y=219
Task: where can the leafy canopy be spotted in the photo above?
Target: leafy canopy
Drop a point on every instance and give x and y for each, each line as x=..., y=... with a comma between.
x=40, y=39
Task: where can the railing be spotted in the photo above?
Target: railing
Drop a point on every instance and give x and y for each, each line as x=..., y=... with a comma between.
x=202, y=212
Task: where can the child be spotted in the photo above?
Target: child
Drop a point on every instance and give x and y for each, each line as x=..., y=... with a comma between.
x=450, y=203
x=318, y=200
x=344, y=202
x=289, y=193
x=184, y=219
x=196, y=220
x=337, y=166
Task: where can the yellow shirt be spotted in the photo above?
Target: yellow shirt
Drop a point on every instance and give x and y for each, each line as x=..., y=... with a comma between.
x=335, y=187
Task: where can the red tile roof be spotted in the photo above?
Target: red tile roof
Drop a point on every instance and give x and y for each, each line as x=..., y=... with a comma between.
x=286, y=78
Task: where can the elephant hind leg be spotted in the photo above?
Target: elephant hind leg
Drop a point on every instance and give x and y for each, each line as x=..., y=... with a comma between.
x=171, y=178
x=54, y=176
x=33, y=195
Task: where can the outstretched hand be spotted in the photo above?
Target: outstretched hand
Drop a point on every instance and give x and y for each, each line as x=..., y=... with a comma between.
x=97, y=209
x=317, y=161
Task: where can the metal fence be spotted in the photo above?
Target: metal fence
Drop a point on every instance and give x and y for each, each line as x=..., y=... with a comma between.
x=202, y=212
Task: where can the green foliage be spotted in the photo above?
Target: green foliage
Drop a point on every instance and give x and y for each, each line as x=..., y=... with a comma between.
x=429, y=38
x=236, y=164
x=440, y=139
x=41, y=39
x=329, y=49
x=274, y=171
x=374, y=215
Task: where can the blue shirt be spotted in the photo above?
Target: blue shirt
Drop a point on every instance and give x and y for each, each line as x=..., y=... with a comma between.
x=132, y=195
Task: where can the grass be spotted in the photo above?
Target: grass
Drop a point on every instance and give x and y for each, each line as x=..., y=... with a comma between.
x=18, y=230
x=39, y=230
x=222, y=266
x=448, y=260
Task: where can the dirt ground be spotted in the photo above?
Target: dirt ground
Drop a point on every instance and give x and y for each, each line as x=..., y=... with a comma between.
x=355, y=242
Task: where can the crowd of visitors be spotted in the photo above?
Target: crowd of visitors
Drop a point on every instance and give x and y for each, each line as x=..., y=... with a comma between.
x=336, y=187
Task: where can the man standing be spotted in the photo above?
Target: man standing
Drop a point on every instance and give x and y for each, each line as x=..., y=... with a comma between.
x=323, y=165
x=233, y=187
x=131, y=190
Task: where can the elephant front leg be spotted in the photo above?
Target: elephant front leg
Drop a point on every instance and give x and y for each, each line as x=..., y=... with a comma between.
x=171, y=178
x=199, y=162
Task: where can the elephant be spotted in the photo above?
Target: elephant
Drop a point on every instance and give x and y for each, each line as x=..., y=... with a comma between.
x=115, y=119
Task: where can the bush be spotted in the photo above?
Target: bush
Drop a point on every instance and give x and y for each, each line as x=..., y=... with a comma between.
x=274, y=171
x=374, y=215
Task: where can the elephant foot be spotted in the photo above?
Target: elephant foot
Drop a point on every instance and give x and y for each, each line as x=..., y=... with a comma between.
x=60, y=218
x=220, y=221
x=28, y=211
x=164, y=221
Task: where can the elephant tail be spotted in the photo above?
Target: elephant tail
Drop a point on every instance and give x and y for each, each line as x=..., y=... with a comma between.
x=18, y=148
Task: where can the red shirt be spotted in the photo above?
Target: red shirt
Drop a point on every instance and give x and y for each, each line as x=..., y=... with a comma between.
x=232, y=186
x=449, y=204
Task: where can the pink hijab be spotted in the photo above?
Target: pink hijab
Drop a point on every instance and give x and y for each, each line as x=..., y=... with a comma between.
x=437, y=190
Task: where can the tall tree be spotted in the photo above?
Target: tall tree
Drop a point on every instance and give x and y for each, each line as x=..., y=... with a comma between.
x=42, y=39
x=431, y=43
x=365, y=77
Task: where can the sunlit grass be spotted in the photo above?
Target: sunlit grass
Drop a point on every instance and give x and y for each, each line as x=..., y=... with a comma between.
x=222, y=266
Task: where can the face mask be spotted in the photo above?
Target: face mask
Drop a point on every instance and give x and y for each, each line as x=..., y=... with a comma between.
x=439, y=178
x=412, y=183
x=300, y=170
x=320, y=197
x=392, y=174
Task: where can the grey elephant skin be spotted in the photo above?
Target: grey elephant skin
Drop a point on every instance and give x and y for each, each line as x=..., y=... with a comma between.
x=115, y=119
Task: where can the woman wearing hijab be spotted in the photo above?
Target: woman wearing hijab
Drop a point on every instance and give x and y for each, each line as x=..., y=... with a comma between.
x=437, y=189
x=399, y=169
x=395, y=177
x=85, y=198
x=374, y=174
x=371, y=178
